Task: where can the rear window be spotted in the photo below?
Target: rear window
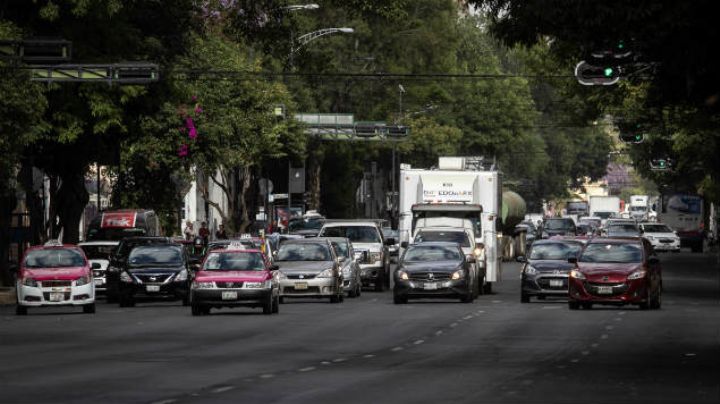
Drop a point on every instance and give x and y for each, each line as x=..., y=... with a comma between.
x=356, y=234
x=303, y=252
x=559, y=224
x=54, y=258
x=459, y=237
x=98, y=252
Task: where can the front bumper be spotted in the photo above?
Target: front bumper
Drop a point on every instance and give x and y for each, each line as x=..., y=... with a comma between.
x=545, y=285
x=230, y=297
x=666, y=244
x=55, y=296
x=178, y=290
x=349, y=283
x=100, y=281
x=419, y=288
x=628, y=292
x=369, y=273
x=319, y=287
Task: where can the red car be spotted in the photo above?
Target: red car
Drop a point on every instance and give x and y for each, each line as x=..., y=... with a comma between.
x=616, y=271
x=235, y=277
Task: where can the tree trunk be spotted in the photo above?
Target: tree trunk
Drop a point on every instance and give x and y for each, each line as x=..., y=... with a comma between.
x=72, y=198
x=7, y=205
x=313, y=173
x=245, y=185
x=34, y=203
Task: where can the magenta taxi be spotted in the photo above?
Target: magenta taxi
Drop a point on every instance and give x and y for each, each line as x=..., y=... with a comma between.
x=55, y=275
x=235, y=277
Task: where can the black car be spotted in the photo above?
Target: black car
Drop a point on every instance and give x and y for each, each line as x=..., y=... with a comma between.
x=155, y=270
x=558, y=226
x=545, y=271
x=119, y=259
x=433, y=270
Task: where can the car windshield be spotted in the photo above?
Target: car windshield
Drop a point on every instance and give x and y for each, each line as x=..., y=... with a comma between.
x=234, y=261
x=576, y=206
x=611, y=252
x=419, y=252
x=306, y=224
x=341, y=249
x=356, y=234
x=554, y=251
x=164, y=255
x=98, y=252
x=656, y=228
x=303, y=252
x=459, y=237
x=558, y=224
x=54, y=258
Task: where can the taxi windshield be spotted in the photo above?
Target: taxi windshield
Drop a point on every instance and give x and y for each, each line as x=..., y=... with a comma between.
x=54, y=258
x=234, y=261
x=612, y=253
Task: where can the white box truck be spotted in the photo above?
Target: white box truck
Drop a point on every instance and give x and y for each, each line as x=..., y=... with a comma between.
x=459, y=187
x=639, y=207
x=605, y=207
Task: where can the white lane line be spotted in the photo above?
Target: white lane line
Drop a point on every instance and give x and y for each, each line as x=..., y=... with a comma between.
x=604, y=336
x=585, y=353
x=438, y=332
x=397, y=349
x=575, y=360
x=325, y=363
x=690, y=354
x=223, y=389
x=169, y=401
x=622, y=313
x=418, y=342
x=267, y=376
x=595, y=345
x=468, y=317
x=480, y=311
x=609, y=327
x=453, y=325
x=307, y=369
x=369, y=356
x=618, y=319
x=338, y=360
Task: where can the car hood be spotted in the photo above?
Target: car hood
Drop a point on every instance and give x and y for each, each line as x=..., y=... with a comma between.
x=303, y=266
x=434, y=266
x=551, y=265
x=372, y=247
x=155, y=270
x=46, y=274
x=232, y=276
x=602, y=269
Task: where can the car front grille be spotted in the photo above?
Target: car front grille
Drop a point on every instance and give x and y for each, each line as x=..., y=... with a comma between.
x=153, y=278
x=56, y=284
x=303, y=276
x=544, y=283
x=429, y=276
x=229, y=285
x=66, y=296
x=617, y=288
x=311, y=290
x=667, y=240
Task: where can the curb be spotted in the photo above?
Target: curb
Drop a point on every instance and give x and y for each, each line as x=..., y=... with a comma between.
x=7, y=296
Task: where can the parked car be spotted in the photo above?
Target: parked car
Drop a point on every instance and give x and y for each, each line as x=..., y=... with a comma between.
x=661, y=236
x=546, y=268
x=235, y=277
x=558, y=226
x=616, y=271
x=367, y=238
x=309, y=268
x=99, y=252
x=154, y=271
x=55, y=275
x=434, y=270
x=352, y=285
x=119, y=259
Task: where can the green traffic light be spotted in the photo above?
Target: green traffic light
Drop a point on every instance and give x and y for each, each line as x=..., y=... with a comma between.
x=621, y=45
x=661, y=163
x=638, y=138
x=608, y=71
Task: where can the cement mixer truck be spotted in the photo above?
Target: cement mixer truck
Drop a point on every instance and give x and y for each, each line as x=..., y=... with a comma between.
x=467, y=188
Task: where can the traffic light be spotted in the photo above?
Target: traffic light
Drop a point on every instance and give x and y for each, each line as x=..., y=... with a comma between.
x=661, y=164
x=397, y=131
x=605, y=74
x=631, y=133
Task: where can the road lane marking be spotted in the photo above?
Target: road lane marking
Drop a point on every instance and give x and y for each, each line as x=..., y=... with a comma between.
x=609, y=327
x=418, y=342
x=169, y=401
x=453, y=325
x=690, y=354
x=604, y=336
x=223, y=389
x=325, y=363
x=307, y=369
x=397, y=349
x=438, y=332
x=267, y=376
x=622, y=313
x=369, y=356
x=575, y=360
x=595, y=345
x=468, y=317
x=338, y=360
x=585, y=353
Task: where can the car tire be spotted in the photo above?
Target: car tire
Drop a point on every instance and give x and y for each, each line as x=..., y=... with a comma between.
x=487, y=288
x=196, y=310
x=89, y=308
x=397, y=299
x=276, y=305
x=644, y=305
x=341, y=297
x=268, y=305
x=334, y=299
x=655, y=304
x=353, y=293
x=359, y=289
x=111, y=298
x=467, y=298
x=573, y=305
x=380, y=283
x=524, y=298
x=587, y=306
x=186, y=301
x=126, y=302
x=282, y=300
x=21, y=310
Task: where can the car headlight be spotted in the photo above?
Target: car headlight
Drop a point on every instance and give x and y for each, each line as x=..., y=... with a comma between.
x=254, y=285
x=637, y=275
x=530, y=270
x=479, y=253
x=545, y=235
x=459, y=274
x=126, y=277
x=280, y=275
x=576, y=274
x=83, y=280
x=374, y=256
x=203, y=285
x=403, y=275
x=346, y=272
x=328, y=273
x=181, y=276
x=30, y=282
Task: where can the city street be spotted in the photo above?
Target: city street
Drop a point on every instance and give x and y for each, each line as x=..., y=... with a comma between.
x=495, y=350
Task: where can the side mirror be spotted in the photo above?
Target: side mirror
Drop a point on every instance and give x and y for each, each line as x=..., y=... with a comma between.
x=404, y=244
x=653, y=261
x=95, y=265
x=390, y=241
x=572, y=260
x=520, y=258
x=274, y=267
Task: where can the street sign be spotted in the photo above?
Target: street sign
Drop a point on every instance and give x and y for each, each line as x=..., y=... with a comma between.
x=279, y=196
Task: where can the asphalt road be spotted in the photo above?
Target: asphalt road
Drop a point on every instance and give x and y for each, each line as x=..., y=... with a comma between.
x=367, y=350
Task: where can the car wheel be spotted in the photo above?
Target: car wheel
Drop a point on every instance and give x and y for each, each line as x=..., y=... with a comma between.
x=487, y=288
x=276, y=305
x=397, y=299
x=359, y=289
x=573, y=305
x=334, y=299
x=341, y=297
x=196, y=310
x=353, y=293
x=379, y=283
x=524, y=298
x=655, y=303
x=127, y=302
x=481, y=286
x=268, y=305
x=21, y=310
x=282, y=300
x=587, y=306
x=89, y=308
x=467, y=298
x=644, y=305
x=186, y=301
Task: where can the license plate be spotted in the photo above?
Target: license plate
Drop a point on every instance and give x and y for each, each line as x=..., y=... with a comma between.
x=301, y=286
x=152, y=288
x=605, y=290
x=57, y=297
x=98, y=282
x=556, y=283
x=229, y=295
x=430, y=286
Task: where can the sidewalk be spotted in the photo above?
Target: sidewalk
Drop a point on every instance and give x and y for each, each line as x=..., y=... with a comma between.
x=7, y=295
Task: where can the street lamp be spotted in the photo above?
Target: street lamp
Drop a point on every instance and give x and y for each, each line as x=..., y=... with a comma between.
x=311, y=36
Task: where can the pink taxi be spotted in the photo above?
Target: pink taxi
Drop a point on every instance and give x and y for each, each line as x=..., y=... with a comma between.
x=235, y=277
x=55, y=275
